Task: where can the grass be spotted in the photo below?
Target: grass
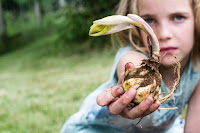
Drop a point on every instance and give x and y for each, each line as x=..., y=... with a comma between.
x=40, y=90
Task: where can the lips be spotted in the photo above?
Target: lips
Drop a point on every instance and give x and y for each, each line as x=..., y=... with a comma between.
x=168, y=50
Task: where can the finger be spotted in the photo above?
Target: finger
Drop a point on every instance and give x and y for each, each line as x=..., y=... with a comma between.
x=125, y=112
x=152, y=108
x=107, y=96
x=119, y=105
x=129, y=65
x=140, y=109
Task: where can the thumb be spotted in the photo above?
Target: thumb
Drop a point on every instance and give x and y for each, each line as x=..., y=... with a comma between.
x=129, y=65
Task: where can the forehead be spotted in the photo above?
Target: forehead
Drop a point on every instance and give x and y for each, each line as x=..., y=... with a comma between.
x=162, y=6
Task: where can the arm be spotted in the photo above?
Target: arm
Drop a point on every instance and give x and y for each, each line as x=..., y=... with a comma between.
x=117, y=101
x=193, y=115
x=135, y=58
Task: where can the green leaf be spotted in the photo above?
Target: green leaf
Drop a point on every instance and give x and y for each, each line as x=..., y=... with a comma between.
x=98, y=30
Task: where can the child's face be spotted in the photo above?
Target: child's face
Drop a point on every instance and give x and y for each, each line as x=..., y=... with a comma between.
x=173, y=24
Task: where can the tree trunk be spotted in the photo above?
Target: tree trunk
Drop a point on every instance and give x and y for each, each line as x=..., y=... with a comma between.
x=61, y=3
x=2, y=21
x=38, y=12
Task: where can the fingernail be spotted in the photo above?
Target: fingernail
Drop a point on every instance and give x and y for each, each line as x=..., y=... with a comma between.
x=120, y=90
x=157, y=104
x=148, y=100
x=131, y=93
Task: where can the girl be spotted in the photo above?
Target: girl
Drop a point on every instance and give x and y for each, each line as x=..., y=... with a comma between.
x=176, y=25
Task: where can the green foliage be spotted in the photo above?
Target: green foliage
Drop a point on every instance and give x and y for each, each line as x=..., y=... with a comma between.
x=70, y=25
x=20, y=23
x=74, y=26
x=75, y=22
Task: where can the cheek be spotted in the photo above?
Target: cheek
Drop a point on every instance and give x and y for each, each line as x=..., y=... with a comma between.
x=187, y=37
x=186, y=32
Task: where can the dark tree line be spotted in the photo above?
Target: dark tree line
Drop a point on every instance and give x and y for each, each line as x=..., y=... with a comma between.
x=71, y=20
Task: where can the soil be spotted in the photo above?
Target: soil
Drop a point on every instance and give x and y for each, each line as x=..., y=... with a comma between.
x=151, y=72
x=151, y=65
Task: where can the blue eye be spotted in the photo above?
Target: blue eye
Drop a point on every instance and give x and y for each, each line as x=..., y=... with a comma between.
x=178, y=18
x=149, y=20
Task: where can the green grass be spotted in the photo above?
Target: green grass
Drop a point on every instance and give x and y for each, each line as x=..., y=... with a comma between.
x=40, y=90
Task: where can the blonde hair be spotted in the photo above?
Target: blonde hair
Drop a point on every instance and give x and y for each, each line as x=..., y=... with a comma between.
x=196, y=48
x=130, y=7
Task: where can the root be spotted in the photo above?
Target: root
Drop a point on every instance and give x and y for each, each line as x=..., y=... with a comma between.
x=167, y=108
x=167, y=92
x=176, y=83
x=135, y=125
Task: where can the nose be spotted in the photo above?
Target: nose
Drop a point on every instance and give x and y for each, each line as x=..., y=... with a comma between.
x=164, y=32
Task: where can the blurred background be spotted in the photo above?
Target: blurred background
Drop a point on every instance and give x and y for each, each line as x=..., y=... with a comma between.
x=48, y=63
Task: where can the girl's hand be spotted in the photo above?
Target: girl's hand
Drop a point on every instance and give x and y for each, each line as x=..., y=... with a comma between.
x=118, y=102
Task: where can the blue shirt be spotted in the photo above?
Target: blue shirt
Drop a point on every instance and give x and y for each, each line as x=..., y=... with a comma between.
x=92, y=118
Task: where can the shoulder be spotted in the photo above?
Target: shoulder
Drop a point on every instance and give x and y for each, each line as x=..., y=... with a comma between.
x=128, y=49
x=134, y=57
x=131, y=56
x=124, y=55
